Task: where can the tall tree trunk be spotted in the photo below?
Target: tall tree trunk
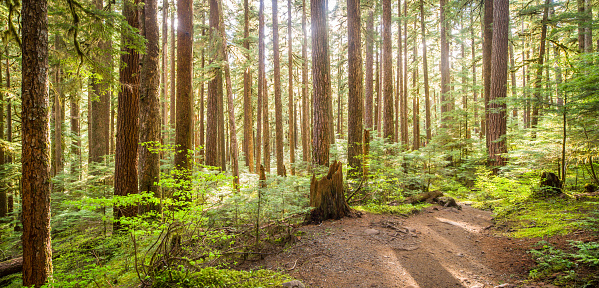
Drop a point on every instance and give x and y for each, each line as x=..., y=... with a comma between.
x=377, y=88
x=37, y=251
x=464, y=86
x=3, y=192
x=513, y=78
x=387, y=72
x=277, y=81
x=164, y=74
x=404, y=100
x=539, y=76
x=232, y=127
x=305, y=102
x=172, y=105
x=259, y=112
x=445, y=97
x=99, y=147
x=473, y=52
x=416, y=96
x=57, y=159
x=266, y=128
x=497, y=106
x=526, y=81
x=487, y=52
x=355, y=97
x=75, y=131
x=184, y=129
x=125, y=172
x=149, y=103
x=291, y=104
x=399, y=87
x=581, y=23
x=588, y=30
x=427, y=100
x=320, y=83
x=214, y=86
x=368, y=103
x=202, y=102
x=248, y=139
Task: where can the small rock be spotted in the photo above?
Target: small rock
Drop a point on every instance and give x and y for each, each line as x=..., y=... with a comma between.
x=294, y=284
x=371, y=232
x=505, y=285
x=460, y=255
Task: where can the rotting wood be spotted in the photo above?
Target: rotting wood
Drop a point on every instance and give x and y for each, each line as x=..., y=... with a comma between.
x=11, y=266
x=327, y=195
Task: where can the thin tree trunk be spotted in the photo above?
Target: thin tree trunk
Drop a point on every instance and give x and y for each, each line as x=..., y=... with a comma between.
x=497, y=105
x=377, y=88
x=57, y=161
x=321, y=83
x=266, y=128
x=355, y=97
x=513, y=78
x=387, y=73
x=202, y=103
x=415, y=97
x=149, y=101
x=581, y=23
x=474, y=89
x=172, y=110
x=427, y=100
x=404, y=100
x=164, y=73
x=539, y=76
x=305, y=103
x=399, y=87
x=445, y=78
x=588, y=30
x=125, y=174
x=3, y=192
x=291, y=105
x=75, y=132
x=368, y=103
x=259, y=105
x=487, y=49
x=248, y=141
x=277, y=82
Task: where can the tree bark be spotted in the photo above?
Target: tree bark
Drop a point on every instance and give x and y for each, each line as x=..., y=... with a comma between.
x=277, y=82
x=266, y=128
x=487, y=52
x=75, y=131
x=328, y=196
x=149, y=101
x=125, y=174
x=164, y=73
x=261, y=87
x=35, y=181
x=387, y=73
x=290, y=94
x=399, y=86
x=321, y=83
x=305, y=102
x=172, y=107
x=248, y=134
x=355, y=97
x=427, y=100
x=214, y=86
x=3, y=192
x=11, y=266
x=368, y=103
x=416, y=96
x=184, y=129
x=539, y=76
x=446, y=99
x=497, y=106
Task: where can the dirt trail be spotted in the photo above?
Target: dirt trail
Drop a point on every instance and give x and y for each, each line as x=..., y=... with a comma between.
x=438, y=247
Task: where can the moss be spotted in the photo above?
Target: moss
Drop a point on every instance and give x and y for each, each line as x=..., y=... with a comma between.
x=386, y=209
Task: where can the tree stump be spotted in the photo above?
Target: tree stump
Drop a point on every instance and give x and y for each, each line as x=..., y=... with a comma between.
x=550, y=184
x=327, y=195
x=262, y=177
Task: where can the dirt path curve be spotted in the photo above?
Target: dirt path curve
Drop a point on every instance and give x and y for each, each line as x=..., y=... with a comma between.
x=438, y=247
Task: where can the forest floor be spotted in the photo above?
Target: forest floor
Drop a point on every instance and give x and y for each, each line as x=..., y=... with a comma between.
x=436, y=247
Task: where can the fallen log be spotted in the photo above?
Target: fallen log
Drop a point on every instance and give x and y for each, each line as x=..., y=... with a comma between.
x=11, y=266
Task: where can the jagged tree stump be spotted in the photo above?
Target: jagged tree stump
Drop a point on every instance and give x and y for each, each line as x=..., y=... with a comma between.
x=550, y=184
x=327, y=195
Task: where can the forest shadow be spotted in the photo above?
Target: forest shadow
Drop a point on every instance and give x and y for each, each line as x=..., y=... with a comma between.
x=426, y=270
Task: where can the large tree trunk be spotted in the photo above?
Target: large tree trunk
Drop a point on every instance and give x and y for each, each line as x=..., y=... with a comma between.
x=355, y=97
x=497, y=105
x=487, y=54
x=305, y=102
x=388, y=128
x=35, y=181
x=184, y=129
x=445, y=97
x=290, y=94
x=125, y=174
x=327, y=195
x=248, y=139
x=368, y=103
x=427, y=100
x=320, y=83
x=214, y=86
x=149, y=101
x=100, y=108
x=277, y=82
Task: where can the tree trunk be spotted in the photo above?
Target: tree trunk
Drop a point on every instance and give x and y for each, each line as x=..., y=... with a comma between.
x=474, y=89
x=539, y=76
x=184, y=114
x=290, y=94
x=399, y=86
x=588, y=30
x=377, y=88
x=404, y=99
x=581, y=23
x=212, y=121
x=172, y=110
x=266, y=128
x=321, y=83
x=497, y=106
x=305, y=102
x=415, y=97
x=3, y=192
x=259, y=113
x=149, y=102
x=35, y=181
x=427, y=100
x=445, y=97
x=75, y=131
x=125, y=174
x=277, y=82
x=355, y=97
x=57, y=164
x=513, y=78
x=248, y=139
x=327, y=195
x=368, y=123
x=388, y=128
x=11, y=266
x=164, y=73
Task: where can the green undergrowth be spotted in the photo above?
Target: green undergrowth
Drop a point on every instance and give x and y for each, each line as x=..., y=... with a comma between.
x=402, y=209
x=520, y=208
x=213, y=277
x=575, y=266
